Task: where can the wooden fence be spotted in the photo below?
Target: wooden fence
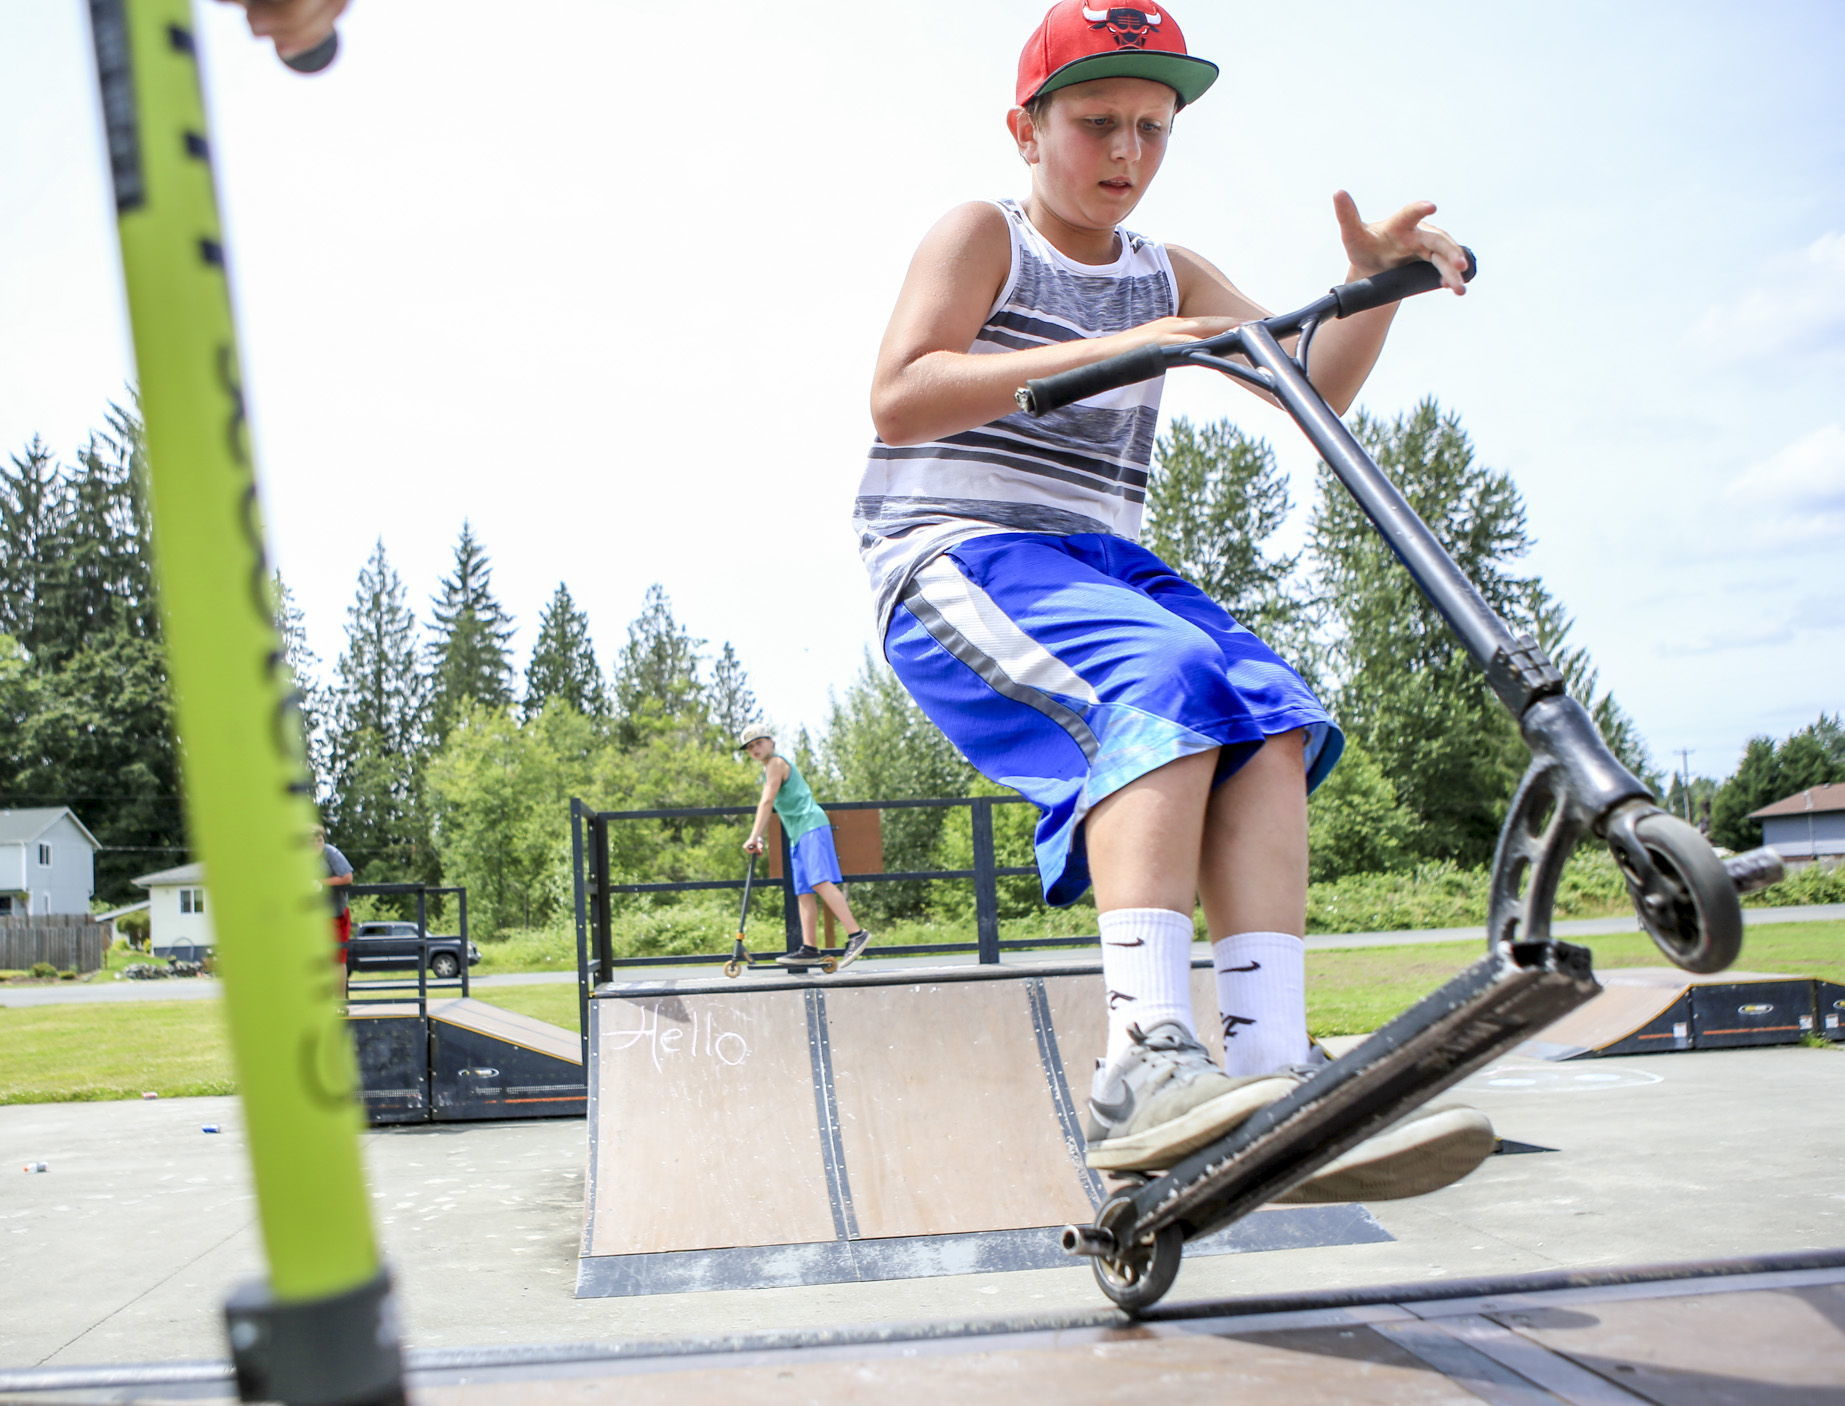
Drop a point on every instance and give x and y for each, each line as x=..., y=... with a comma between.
x=67, y=943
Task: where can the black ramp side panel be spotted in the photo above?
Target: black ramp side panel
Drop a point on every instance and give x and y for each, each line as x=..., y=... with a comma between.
x=485, y=1063
x=1829, y=998
x=1762, y=1012
x=393, y=1054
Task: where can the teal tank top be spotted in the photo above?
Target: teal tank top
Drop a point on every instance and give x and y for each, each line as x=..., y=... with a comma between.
x=796, y=807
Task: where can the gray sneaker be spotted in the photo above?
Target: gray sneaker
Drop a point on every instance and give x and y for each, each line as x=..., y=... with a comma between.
x=855, y=947
x=1430, y=1149
x=802, y=956
x=1165, y=1098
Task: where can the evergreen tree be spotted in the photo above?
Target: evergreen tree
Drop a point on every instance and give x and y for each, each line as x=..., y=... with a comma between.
x=563, y=663
x=304, y=668
x=376, y=811
x=1215, y=499
x=879, y=746
x=1403, y=685
x=88, y=711
x=469, y=658
x=33, y=503
x=656, y=678
x=1813, y=756
x=733, y=705
x=98, y=578
x=1548, y=622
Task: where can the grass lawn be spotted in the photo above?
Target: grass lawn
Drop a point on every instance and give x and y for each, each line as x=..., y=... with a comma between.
x=68, y=1053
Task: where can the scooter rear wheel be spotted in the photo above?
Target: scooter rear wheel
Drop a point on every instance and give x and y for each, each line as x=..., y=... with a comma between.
x=1137, y=1275
x=1697, y=919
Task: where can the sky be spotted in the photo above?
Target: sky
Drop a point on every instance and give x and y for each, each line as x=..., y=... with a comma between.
x=606, y=284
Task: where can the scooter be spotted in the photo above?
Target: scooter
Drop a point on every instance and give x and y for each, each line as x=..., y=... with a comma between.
x=1687, y=898
x=741, y=957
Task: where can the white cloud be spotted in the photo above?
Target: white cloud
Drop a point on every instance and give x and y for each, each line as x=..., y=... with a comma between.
x=1797, y=495
x=1796, y=302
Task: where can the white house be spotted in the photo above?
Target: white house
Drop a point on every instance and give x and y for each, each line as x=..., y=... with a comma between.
x=178, y=916
x=47, y=863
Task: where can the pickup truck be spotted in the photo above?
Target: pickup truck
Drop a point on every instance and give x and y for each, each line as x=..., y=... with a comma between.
x=391, y=946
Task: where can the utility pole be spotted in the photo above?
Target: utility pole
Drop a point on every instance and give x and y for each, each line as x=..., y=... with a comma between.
x=1684, y=781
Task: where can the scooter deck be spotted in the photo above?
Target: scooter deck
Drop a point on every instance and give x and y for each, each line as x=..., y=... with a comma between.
x=742, y=961
x=1478, y=1016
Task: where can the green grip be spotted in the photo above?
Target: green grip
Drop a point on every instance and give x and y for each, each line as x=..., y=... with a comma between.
x=248, y=798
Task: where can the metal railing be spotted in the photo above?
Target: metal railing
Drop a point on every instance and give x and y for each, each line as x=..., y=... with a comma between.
x=373, y=990
x=594, y=890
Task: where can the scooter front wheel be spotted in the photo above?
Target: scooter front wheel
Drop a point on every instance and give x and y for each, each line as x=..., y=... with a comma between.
x=733, y=968
x=1138, y=1274
x=1689, y=904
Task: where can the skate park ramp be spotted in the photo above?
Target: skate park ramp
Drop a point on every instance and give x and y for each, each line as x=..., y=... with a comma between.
x=791, y=1130
x=1650, y=1010
x=463, y=1060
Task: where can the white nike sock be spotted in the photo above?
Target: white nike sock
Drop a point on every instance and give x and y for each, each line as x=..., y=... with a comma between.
x=1147, y=968
x=1262, y=997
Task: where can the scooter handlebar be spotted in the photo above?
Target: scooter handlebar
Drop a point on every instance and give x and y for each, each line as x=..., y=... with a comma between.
x=315, y=59
x=1393, y=285
x=1144, y=363
x=1079, y=383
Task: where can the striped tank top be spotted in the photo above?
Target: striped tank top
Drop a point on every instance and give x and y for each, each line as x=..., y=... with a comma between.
x=1079, y=469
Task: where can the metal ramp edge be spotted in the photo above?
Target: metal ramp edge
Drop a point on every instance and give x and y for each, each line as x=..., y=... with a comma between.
x=1772, y=1320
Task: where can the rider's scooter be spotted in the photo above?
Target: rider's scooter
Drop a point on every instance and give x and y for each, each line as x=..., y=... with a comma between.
x=741, y=957
x=1686, y=897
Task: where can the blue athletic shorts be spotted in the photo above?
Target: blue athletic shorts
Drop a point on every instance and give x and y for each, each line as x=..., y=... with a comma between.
x=815, y=859
x=1065, y=667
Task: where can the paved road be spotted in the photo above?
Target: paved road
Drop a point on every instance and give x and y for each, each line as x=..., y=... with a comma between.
x=205, y=988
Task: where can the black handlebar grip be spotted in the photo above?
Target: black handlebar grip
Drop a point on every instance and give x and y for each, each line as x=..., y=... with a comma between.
x=1079, y=383
x=1393, y=285
x=315, y=59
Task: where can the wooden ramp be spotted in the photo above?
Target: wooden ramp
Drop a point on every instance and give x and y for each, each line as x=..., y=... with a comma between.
x=881, y=1126
x=463, y=1060
x=1647, y=1010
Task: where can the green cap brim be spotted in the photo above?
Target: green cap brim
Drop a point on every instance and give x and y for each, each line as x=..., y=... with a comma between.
x=1190, y=78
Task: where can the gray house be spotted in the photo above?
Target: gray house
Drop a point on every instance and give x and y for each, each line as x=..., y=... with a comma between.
x=1808, y=827
x=47, y=863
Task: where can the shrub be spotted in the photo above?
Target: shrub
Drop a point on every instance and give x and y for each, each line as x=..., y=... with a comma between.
x=1811, y=883
x=701, y=923
x=133, y=928
x=42, y=969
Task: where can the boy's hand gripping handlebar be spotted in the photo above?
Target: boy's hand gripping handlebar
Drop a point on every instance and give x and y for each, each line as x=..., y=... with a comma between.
x=1144, y=363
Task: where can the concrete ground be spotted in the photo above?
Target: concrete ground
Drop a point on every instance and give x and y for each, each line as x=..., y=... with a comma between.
x=123, y=1249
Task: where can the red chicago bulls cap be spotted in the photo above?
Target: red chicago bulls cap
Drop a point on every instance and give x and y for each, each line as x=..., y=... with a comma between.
x=1079, y=41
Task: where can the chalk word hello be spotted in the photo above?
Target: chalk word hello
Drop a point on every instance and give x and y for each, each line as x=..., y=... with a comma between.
x=699, y=1038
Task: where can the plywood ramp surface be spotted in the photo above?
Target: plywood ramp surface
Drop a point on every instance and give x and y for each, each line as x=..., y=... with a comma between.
x=1079, y=1013
x=706, y=1133
x=526, y=1031
x=854, y=1129
x=945, y=1117
x=1630, y=1000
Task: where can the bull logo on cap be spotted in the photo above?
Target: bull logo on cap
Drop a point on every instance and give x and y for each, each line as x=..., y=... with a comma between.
x=1129, y=26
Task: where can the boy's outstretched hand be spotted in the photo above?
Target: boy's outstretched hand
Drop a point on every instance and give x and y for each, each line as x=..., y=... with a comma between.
x=293, y=26
x=1399, y=239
